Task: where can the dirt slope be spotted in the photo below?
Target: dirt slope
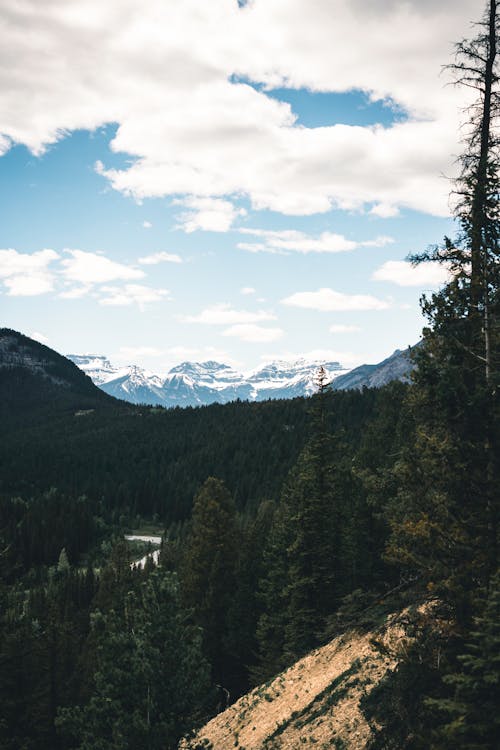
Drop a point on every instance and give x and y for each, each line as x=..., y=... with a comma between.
x=314, y=702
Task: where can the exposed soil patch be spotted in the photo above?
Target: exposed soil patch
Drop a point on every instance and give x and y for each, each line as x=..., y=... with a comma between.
x=314, y=702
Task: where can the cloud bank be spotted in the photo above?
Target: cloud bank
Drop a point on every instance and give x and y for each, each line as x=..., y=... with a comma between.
x=188, y=86
x=73, y=275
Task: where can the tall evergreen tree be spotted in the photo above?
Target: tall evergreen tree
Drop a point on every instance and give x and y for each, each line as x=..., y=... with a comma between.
x=302, y=581
x=208, y=572
x=445, y=520
x=273, y=599
x=471, y=705
x=246, y=606
x=316, y=497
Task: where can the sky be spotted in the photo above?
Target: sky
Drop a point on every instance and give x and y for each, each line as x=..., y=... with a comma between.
x=238, y=181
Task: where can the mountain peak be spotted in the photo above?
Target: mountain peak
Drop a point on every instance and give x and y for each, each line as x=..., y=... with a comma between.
x=200, y=383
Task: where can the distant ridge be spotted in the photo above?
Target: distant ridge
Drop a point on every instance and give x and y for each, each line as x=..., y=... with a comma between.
x=32, y=373
x=398, y=366
x=34, y=377
x=202, y=383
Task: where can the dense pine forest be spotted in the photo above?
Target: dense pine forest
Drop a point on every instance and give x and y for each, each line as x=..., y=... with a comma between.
x=284, y=523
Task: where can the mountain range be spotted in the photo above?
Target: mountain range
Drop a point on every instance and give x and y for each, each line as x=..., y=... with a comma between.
x=201, y=383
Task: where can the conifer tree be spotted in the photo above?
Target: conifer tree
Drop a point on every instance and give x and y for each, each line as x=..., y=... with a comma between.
x=150, y=676
x=273, y=599
x=208, y=571
x=445, y=520
x=314, y=496
x=246, y=606
x=471, y=708
x=302, y=582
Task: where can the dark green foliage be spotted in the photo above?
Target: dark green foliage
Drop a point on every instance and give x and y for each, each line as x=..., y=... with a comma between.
x=136, y=462
x=444, y=503
x=324, y=542
x=149, y=675
x=246, y=605
x=37, y=529
x=42, y=635
x=208, y=572
x=37, y=382
x=96, y=453
x=313, y=499
x=471, y=702
x=139, y=461
x=273, y=600
x=444, y=517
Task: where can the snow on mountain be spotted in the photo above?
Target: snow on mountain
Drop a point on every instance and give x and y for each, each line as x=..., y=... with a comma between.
x=201, y=383
x=211, y=374
x=97, y=367
x=285, y=379
x=136, y=385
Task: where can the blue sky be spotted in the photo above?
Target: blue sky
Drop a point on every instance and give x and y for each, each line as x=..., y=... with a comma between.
x=238, y=196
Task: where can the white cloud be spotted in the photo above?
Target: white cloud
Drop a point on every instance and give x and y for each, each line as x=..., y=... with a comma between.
x=39, y=337
x=80, y=274
x=28, y=286
x=254, y=334
x=131, y=353
x=402, y=273
x=201, y=354
x=247, y=290
x=380, y=241
x=339, y=328
x=293, y=240
x=260, y=247
x=328, y=300
x=384, y=210
x=5, y=144
x=224, y=314
x=27, y=274
x=13, y=263
x=90, y=268
x=321, y=356
x=76, y=292
x=69, y=64
x=171, y=356
x=208, y=214
x=147, y=224
x=162, y=257
x=131, y=294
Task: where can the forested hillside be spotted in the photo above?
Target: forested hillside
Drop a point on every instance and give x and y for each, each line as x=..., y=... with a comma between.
x=146, y=461
x=36, y=382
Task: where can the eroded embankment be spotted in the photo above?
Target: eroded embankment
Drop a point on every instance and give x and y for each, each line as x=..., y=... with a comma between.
x=314, y=702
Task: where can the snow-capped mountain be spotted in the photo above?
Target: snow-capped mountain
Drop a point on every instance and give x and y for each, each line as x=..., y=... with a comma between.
x=135, y=385
x=200, y=383
x=98, y=368
x=295, y=377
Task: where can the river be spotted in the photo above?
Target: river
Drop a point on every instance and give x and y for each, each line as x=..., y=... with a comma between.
x=154, y=555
